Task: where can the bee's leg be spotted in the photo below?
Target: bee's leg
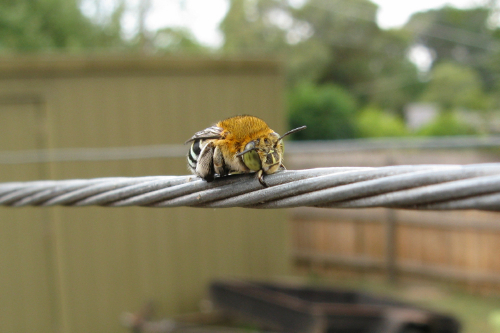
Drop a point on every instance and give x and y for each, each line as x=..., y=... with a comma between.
x=260, y=177
x=282, y=166
x=205, y=165
x=219, y=164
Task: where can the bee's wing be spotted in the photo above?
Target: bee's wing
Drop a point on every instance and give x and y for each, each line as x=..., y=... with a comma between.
x=213, y=132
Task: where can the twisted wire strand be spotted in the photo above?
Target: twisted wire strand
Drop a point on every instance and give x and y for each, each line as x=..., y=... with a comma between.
x=426, y=187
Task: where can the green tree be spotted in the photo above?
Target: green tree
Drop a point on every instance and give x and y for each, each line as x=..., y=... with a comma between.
x=453, y=86
x=323, y=42
x=453, y=33
x=327, y=110
x=177, y=40
x=458, y=35
x=370, y=62
x=348, y=36
x=52, y=25
x=249, y=27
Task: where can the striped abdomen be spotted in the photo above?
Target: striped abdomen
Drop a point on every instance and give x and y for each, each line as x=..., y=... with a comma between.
x=194, y=154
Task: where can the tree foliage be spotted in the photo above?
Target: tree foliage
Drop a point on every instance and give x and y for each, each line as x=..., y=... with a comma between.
x=51, y=25
x=175, y=41
x=457, y=35
x=452, y=33
x=338, y=43
x=250, y=27
x=375, y=123
x=323, y=42
x=453, y=86
x=327, y=110
x=447, y=124
x=30, y=26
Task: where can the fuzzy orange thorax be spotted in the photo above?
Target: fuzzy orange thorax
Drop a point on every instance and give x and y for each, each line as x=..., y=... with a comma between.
x=240, y=130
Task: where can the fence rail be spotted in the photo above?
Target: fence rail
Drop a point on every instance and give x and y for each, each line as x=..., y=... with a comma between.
x=427, y=187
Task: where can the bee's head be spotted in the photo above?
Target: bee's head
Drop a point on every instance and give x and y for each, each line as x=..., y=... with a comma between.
x=265, y=153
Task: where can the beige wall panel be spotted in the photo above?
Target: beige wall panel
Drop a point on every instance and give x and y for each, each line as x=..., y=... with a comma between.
x=95, y=263
x=115, y=259
x=141, y=111
x=26, y=286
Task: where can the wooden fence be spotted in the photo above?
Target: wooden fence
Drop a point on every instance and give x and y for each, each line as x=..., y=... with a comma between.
x=460, y=246
x=449, y=245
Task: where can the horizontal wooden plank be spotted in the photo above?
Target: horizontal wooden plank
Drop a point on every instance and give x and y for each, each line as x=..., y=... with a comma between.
x=435, y=271
x=438, y=219
x=336, y=259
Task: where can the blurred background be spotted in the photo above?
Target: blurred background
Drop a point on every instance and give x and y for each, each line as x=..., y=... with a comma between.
x=112, y=88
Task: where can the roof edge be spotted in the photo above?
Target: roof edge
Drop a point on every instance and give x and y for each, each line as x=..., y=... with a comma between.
x=63, y=65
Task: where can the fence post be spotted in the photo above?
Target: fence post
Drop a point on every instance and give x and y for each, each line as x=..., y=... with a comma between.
x=390, y=245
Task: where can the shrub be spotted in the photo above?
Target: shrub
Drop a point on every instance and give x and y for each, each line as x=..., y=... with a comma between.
x=328, y=112
x=446, y=124
x=375, y=123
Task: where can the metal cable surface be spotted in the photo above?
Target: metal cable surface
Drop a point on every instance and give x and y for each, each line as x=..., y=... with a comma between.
x=428, y=187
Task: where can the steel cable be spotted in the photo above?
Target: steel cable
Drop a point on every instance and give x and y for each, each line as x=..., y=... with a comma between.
x=436, y=187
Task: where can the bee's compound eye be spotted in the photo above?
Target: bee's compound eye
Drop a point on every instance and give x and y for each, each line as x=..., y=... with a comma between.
x=252, y=160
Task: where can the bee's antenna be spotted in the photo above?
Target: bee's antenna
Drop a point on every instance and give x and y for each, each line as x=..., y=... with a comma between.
x=290, y=132
x=246, y=151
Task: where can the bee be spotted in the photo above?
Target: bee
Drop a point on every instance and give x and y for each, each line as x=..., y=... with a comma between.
x=240, y=144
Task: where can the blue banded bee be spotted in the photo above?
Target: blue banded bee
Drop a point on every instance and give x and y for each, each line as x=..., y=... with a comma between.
x=240, y=144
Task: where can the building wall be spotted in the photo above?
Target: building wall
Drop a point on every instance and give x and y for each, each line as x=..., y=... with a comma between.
x=78, y=269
